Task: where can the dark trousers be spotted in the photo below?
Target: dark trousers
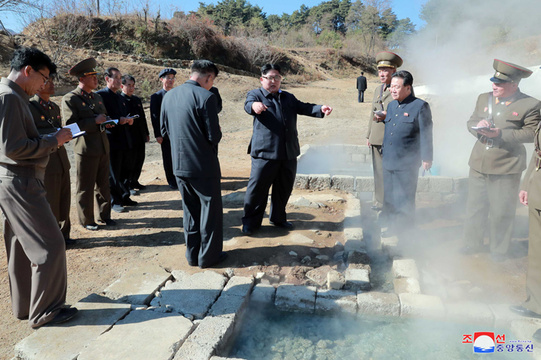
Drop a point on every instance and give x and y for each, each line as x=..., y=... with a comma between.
x=35, y=250
x=399, y=197
x=168, y=162
x=280, y=174
x=121, y=165
x=361, y=96
x=203, y=219
x=58, y=190
x=137, y=164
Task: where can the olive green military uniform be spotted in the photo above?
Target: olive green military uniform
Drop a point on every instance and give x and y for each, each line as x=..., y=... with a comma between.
x=496, y=165
x=91, y=154
x=532, y=184
x=382, y=97
x=47, y=118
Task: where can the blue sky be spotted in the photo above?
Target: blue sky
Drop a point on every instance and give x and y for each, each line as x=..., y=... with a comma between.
x=402, y=8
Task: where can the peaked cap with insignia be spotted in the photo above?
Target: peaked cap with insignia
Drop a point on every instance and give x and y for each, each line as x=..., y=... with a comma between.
x=506, y=72
x=84, y=68
x=388, y=59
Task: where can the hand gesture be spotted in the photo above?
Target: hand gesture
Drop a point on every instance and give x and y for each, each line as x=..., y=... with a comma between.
x=63, y=136
x=258, y=107
x=326, y=109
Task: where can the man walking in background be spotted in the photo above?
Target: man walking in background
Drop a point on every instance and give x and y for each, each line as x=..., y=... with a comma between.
x=167, y=78
x=35, y=246
x=189, y=118
x=502, y=121
x=387, y=63
x=361, y=87
x=47, y=119
x=274, y=148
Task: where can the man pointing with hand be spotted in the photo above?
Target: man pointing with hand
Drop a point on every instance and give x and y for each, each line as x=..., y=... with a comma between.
x=274, y=148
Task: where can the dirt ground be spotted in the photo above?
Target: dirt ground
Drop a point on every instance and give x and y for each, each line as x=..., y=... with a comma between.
x=151, y=232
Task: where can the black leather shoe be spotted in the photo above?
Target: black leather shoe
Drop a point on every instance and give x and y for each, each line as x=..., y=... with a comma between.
x=139, y=186
x=174, y=187
x=63, y=315
x=537, y=335
x=246, y=230
x=69, y=241
x=285, y=225
x=129, y=202
x=522, y=311
x=470, y=250
x=221, y=258
x=92, y=227
x=110, y=222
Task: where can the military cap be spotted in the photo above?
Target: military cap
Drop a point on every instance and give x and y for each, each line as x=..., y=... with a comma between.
x=388, y=59
x=165, y=72
x=84, y=68
x=506, y=71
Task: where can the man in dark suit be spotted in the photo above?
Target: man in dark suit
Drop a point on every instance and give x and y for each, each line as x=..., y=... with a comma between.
x=167, y=78
x=138, y=131
x=407, y=144
x=274, y=148
x=120, y=141
x=189, y=117
x=361, y=86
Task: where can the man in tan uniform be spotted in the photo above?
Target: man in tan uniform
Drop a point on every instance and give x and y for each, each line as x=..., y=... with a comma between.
x=530, y=195
x=502, y=121
x=47, y=119
x=34, y=244
x=387, y=63
x=84, y=107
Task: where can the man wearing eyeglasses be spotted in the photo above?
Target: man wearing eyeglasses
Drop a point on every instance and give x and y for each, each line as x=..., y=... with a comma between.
x=86, y=108
x=35, y=246
x=274, y=148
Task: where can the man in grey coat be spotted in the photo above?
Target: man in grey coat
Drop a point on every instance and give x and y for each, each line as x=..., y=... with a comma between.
x=189, y=117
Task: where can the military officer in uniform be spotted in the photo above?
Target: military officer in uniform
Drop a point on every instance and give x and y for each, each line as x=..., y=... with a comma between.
x=387, y=63
x=502, y=121
x=84, y=107
x=47, y=118
x=167, y=78
x=530, y=195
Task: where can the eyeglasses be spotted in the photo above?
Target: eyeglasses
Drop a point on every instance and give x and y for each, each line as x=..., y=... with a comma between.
x=45, y=78
x=272, y=78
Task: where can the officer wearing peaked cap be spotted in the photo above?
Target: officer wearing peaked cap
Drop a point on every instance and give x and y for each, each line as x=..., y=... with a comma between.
x=502, y=121
x=387, y=63
x=86, y=108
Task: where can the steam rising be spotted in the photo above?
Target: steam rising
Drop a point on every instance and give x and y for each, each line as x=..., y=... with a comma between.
x=452, y=57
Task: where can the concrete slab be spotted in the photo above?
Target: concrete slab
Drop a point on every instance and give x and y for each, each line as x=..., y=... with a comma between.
x=419, y=305
x=331, y=301
x=297, y=238
x=141, y=335
x=357, y=279
x=470, y=312
x=319, y=275
x=192, y=294
x=96, y=315
x=405, y=268
x=503, y=316
x=209, y=337
x=335, y=280
x=364, y=183
x=296, y=298
x=320, y=181
x=263, y=293
x=228, y=305
x=343, y=182
x=239, y=286
x=523, y=331
x=441, y=184
x=138, y=285
x=406, y=285
x=377, y=303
